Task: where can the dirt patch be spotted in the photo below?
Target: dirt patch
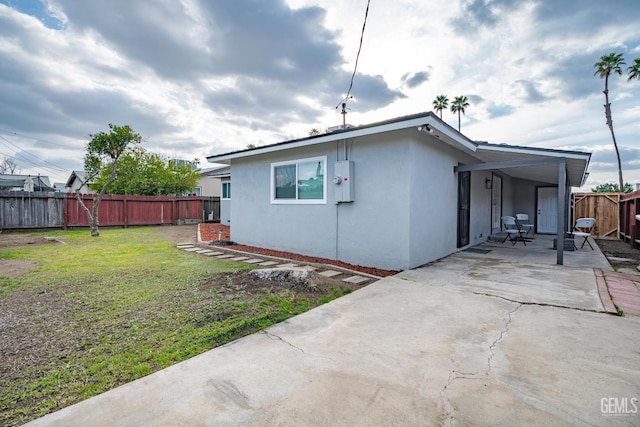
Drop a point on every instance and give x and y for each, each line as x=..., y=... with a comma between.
x=13, y=268
x=20, y=239
x=619, y=253
x=248, y=285
x=180, y=233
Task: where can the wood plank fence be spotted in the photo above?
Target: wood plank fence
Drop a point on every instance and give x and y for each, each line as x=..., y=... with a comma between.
x=601, y=206
x=629, y=225
x=24, y=210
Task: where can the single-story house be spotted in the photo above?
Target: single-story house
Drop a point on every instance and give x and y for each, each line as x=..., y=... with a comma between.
x=25, y=183
x=395, y=194
x=76, y=183
x=209, y=182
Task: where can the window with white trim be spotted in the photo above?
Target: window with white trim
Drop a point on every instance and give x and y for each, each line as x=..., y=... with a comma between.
x=300, y=181
x=226, y=190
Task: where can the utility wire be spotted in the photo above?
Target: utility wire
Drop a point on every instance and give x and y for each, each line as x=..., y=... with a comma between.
x=17, y=150
x=355, y=68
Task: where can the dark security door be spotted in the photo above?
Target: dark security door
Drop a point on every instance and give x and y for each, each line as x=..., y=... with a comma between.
x=464, y=207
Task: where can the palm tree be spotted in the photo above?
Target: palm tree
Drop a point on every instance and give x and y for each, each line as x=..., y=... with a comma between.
x=634, y=70
x=608, y=64
x=458, y=106
x=440, y=103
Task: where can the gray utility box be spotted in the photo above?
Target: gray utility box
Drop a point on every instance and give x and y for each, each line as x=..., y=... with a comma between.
x=343, y=181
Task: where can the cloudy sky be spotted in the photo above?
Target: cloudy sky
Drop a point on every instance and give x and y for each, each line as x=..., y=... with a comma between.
x=199, y=77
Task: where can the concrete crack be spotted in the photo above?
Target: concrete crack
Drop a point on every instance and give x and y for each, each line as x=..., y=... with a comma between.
x=541, y=304
x=448, y=407
x=276, y=337
x=499, y=338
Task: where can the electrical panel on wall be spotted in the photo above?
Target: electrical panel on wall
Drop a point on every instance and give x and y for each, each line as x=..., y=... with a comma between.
x=343, y=181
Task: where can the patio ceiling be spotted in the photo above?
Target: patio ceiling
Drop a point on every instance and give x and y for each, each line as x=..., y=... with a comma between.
x=577, y=162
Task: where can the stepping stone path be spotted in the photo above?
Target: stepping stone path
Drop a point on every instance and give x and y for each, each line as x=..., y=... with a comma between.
x=346, y=276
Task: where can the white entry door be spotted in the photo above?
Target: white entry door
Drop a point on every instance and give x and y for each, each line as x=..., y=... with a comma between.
x=547, y=210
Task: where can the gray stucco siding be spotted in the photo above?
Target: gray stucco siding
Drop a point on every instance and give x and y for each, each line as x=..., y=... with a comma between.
x=434, y=200
x=258, y=222
x=373, y=230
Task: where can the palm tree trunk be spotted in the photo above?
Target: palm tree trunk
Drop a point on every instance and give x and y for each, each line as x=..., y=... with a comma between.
x=607, y=114
x=458, y=120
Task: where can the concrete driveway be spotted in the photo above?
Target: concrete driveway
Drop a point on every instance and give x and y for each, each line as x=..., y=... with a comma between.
x=498, y=338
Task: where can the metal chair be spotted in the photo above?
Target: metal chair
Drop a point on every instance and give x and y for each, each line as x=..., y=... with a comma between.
x=525, y=224
x=514, y=233
x=582, y=228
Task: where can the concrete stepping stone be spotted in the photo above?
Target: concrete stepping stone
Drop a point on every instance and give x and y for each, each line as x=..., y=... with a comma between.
x=214, y=253
x=204, y=251
x=227, y=256
x=239, y=258
x=268, y=263
x=330, y=273
x=253, y=261
x=308, y=268
x=287, y=265
x=184, y=245
x=192, y=249
x=356, y=280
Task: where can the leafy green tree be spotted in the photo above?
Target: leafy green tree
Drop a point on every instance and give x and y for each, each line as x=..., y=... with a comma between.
x=103, y=152
x=440, y=103
x=143, y=173
x=610, y=187
x=607, y=65
x=459, y=104
x=314, y=132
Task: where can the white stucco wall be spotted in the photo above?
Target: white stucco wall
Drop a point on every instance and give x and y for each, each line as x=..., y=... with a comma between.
x=209, y=186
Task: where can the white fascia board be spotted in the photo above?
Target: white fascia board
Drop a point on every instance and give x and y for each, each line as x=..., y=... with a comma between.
x=534, y=151
x=354, y=133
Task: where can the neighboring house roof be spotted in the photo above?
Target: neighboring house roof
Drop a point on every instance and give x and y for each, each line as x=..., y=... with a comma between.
x=17, y=182
x=216, y=172
x=220, y=172
x=60, y=186
x=576, y=162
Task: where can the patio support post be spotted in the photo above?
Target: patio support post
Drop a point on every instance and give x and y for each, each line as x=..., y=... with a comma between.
x=562, y=217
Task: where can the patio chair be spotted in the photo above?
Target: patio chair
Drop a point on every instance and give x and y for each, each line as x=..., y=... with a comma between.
x=514, y=233
x=582, y=228
x=524, y=223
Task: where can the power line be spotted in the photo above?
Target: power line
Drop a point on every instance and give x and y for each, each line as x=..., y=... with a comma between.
x=31, y=137
x=355, y=68
x=53, y=168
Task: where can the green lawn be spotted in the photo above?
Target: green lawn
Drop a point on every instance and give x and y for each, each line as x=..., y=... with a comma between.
x=96, y=313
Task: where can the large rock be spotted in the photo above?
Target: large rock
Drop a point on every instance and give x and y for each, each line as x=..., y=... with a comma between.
x=289, y=275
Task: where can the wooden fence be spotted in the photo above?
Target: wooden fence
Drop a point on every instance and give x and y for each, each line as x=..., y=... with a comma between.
x=629, y=225
x=601, y=206
x=24, y=210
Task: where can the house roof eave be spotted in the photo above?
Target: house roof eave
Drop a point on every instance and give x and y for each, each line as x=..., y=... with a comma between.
x=440, y=129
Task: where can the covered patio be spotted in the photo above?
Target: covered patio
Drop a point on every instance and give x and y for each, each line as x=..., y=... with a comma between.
x=539, y=250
